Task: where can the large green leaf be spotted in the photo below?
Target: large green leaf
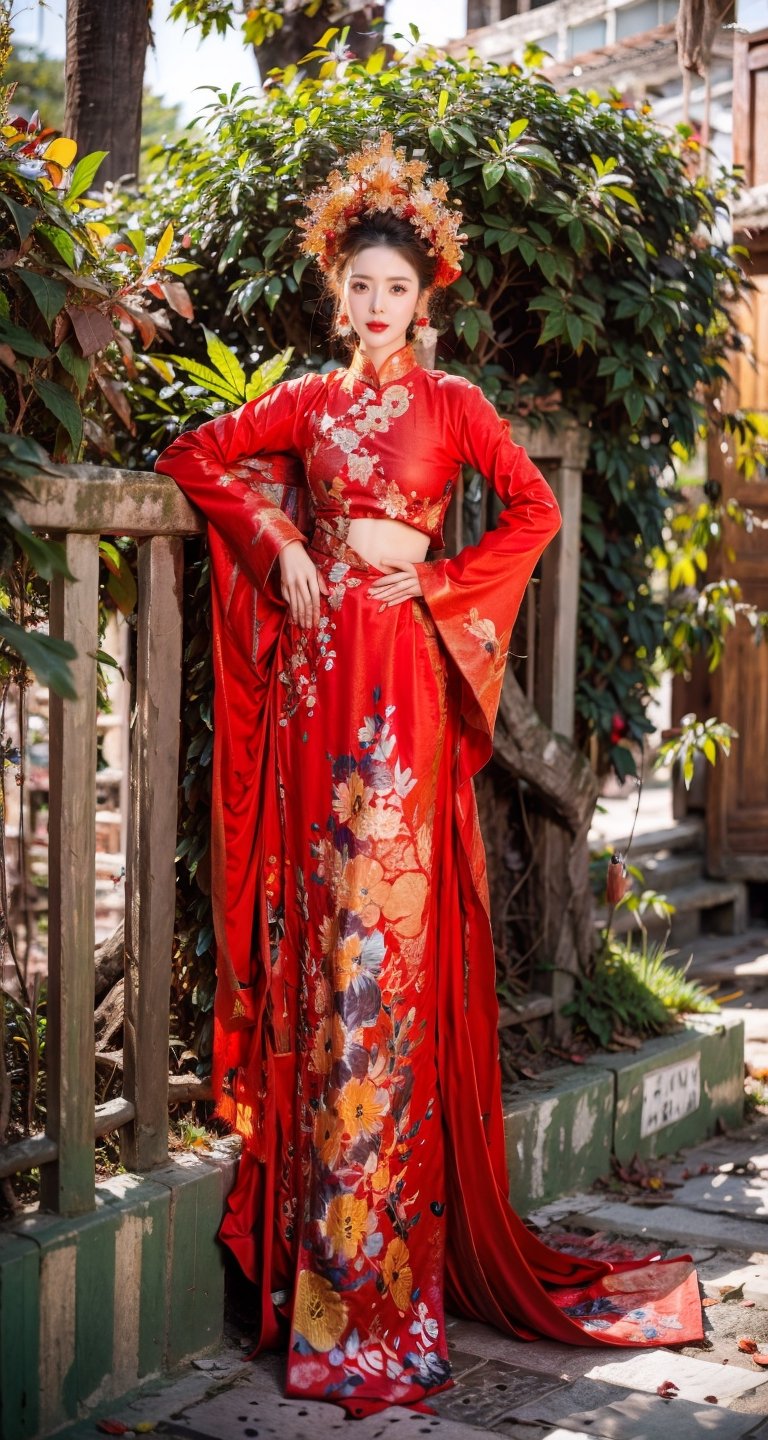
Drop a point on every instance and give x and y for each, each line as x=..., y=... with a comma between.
x=84, y=173
x=226, y=362
x=210, y=379
x=21, y=341
x=25, y=216
x=63, y=405
x=48, y=294
x=76, y=365
x=44, y=654
x=48, y=557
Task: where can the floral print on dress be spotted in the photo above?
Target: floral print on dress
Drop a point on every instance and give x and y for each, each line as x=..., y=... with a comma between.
x=368, y=1290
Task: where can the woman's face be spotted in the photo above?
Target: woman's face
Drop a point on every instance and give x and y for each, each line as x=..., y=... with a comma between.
x=380, y=292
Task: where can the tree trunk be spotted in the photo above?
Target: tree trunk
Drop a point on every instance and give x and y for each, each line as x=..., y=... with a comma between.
x=562, y=790
x=299, y=34
x=109, y=961
x=104, y=80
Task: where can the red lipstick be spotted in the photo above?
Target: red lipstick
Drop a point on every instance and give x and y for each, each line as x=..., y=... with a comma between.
x=377, y=325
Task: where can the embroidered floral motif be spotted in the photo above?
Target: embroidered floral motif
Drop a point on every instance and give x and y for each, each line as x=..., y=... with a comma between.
x=364, y=1207
x=483, y=630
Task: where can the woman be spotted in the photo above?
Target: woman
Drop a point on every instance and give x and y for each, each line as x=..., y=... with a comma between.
x=357, y=684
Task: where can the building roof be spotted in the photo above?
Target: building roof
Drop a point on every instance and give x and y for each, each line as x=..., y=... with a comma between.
x=653, y=51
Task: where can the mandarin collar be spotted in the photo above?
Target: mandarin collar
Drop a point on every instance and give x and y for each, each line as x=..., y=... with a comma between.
x=361, y=367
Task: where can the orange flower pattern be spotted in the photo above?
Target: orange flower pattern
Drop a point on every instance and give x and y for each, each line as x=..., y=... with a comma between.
x=373, y=1195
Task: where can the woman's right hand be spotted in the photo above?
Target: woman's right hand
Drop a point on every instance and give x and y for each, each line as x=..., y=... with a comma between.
x=301, y=584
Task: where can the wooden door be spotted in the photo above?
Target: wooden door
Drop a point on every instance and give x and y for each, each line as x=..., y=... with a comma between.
x=737, y=800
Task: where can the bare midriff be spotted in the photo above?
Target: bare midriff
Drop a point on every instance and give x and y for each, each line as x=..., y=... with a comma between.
x=385, y=540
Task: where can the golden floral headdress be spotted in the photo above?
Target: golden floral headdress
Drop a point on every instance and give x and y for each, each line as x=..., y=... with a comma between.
x=379, y=177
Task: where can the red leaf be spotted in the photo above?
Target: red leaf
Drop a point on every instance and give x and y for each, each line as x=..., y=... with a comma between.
x=126, y=349
x=747, y=1344
x=61, y=327
x=111, y=1427
x=710, y=1399
x=117, y=399
x=178, y=299
x=667, y=1389
x=747, y=1304
x=760, y=1359
x=92, y=327
x=138, y=320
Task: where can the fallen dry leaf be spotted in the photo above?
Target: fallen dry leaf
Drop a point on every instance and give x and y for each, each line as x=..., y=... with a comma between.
x=112, y=1427
x=747, y=1304
x=667, y=1390
x=747, y=1344
x=710, y=1300
x=732, y=1292
x=710, y=1399
x=760, y=1359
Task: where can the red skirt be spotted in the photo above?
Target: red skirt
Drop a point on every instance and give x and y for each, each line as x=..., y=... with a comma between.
x=372, y=1188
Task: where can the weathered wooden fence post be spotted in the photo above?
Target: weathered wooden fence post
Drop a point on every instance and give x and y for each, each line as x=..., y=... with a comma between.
x=68, y=1183
x=150, y=882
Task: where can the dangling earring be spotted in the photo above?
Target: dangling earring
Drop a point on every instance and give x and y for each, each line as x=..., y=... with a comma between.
x=425, y=334
x=343, y=325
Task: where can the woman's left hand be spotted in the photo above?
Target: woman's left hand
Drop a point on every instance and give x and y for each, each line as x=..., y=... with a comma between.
x=401, y=583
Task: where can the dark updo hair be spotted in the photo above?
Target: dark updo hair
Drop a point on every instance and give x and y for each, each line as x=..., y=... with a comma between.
x=383, y=227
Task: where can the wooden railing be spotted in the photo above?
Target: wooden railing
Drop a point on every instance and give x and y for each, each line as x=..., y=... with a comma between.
x=79, y=504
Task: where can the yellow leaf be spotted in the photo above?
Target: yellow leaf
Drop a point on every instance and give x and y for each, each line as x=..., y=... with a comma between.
x=97, y=227
x=701, y=559
x=683, y=573
x=710, y=749
x=163, y=246
x=62, y=151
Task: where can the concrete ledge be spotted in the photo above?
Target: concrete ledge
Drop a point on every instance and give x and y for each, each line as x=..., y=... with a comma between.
x=90, y=1306
x=558, y=1131
x=562, y=1128
x=717, y=1042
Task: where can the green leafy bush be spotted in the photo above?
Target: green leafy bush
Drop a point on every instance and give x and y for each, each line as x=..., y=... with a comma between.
x=634, y=991
x=72, y=292
x=596, y=278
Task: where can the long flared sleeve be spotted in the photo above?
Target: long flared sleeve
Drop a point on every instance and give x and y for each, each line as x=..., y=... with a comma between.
x=474, y=597
x=244, y=471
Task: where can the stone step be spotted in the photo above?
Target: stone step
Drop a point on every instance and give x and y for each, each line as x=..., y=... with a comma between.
x=669, y=870
x=745, y=969
x=676, y=1225
x=682, y=835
